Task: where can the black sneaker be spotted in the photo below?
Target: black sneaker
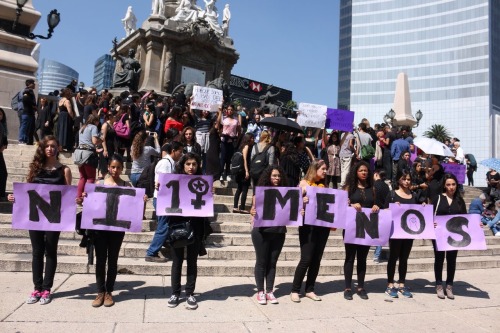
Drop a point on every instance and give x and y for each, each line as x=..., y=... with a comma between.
x=191, y=303
x=348, y=294
x=362, y=294
x=173, y=301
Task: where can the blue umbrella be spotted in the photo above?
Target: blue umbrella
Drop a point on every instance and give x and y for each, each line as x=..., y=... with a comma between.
x=492, y=163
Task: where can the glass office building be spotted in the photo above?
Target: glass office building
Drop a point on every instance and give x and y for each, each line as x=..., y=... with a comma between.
x=53, y=75
x=450, y=51
x=104, y=69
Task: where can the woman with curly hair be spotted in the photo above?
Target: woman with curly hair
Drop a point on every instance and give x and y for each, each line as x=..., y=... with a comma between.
x=45, y=169
x=267, y=241
x=189, y=164
x=361, y=194
x=188, y=140
x=312, y=239
x=141, y=154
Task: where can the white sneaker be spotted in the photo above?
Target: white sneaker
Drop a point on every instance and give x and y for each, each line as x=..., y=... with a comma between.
x=497, y=234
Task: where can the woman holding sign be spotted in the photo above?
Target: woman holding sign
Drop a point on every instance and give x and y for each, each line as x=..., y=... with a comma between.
x=400, y=248
x=312, y=239
x=45, y=169
x=189, y=164
x=449, y=202
x=361, y=193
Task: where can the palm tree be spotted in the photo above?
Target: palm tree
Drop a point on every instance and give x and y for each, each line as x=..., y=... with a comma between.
x=438, y=132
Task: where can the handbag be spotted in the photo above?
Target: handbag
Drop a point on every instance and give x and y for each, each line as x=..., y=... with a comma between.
x=180, y=234
x=121, y=128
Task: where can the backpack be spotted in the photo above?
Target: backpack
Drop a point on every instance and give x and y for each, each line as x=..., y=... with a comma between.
x=16, y=103
x=367, y=152
x=259, y=162
x=237, y=164
x=147, y=179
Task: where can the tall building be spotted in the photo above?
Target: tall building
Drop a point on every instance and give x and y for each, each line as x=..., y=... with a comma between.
x=450, y=51
x=53, y=75
x=104, y=68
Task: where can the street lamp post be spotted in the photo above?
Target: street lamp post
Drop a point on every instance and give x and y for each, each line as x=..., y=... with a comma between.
x=389, y=117
x=53, y=19
x=19, y=10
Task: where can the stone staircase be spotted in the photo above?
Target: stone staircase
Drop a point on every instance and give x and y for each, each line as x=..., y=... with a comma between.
x=230, y=249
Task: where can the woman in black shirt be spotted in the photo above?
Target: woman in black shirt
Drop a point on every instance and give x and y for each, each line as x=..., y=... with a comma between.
x=449, y=202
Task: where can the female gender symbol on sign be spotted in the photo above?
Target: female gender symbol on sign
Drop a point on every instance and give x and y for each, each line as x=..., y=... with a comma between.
x=199, y=187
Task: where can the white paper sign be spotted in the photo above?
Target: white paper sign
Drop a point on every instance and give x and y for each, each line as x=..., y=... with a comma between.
x=208, y=99
x=311, y=115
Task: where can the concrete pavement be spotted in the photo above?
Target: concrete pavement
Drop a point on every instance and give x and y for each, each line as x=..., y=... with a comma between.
x=228, y=304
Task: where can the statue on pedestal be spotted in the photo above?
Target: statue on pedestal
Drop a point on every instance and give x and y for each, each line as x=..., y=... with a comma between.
x=269, y=101
x=129, y=22
x=131, y=70
x=211, y=16
x=226, y=17
x=158, y=7
x=187, y=11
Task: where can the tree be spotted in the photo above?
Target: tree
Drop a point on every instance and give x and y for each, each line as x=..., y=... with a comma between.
x=291, y=105
x=438, y=132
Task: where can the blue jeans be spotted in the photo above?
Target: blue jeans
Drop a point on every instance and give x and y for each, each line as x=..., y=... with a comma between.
x=378, y=250
x=26, y=130
x=134, y=177
x=493, y=226
x=160, y=234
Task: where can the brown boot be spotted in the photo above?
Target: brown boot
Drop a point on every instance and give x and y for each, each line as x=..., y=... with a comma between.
x=108, y=300
x=449, y=292
x=99, y=300
x=439, y=291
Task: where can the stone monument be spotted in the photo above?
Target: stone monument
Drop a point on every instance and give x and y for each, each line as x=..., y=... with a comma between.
x=129, y=22
x=184, y=45
x=402, y=102
x=18, y=56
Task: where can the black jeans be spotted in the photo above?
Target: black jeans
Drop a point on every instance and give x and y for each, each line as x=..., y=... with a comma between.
x=44, y=243
x=470, y=176
x=353, y=251
x=398, y=249
x=107, y=248
x=226, y=153
x=451, y=265
x=243, y=185
x=268, y=247
x=3, y=176
x=192, y=267
x=312, y=245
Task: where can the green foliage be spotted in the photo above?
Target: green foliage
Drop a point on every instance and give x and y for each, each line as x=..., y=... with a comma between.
x=438, y=132
x=291, y=105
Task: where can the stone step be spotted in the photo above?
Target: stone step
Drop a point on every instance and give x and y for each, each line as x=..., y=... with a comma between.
x=138, y=250
x=21, y=262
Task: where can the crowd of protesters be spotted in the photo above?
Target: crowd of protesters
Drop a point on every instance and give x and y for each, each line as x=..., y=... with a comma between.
x=156, y=134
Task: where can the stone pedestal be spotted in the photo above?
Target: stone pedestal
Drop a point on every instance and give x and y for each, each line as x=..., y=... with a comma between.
x=18, y=60
x=164, y=48
x=402, y=102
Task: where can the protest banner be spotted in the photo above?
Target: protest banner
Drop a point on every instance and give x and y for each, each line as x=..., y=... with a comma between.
x=459, y=232
x=458, y=170
x=311, y=115
x=205, y=98
x=44, y=207
x=326, y=207
x=113, y=208
x=341, y=120
x=277, y=206
x=412, y=221
x=367, y=228
x=185, y=195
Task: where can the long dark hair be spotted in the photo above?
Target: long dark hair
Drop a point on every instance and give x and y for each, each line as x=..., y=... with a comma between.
x=138, y=144
x=456, y=196
x=90, y=121
x=183, y=138
x=265, y=177
x=400, y=174
x=179, y=167
x=351, y=183
x=40, y=158
x=245, y=141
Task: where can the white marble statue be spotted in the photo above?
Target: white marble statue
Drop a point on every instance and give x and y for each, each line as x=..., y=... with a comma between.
x=129, y=21
x=187, y=11
x=226, y=17
x=211, y=16
x=158, y=7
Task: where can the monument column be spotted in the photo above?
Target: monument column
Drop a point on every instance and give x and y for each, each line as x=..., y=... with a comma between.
x=152, y=68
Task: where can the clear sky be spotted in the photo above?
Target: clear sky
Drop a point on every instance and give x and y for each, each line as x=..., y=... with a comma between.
x=291, y=44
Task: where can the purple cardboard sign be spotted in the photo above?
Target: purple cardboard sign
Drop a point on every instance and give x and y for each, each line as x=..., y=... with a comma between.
x=367, y=228
x=185, y=195
x=412, y=221
x=113, y=208
x=339, y=119
x=326, y=207
x=44, y=207
x=277, y=206
x=458, y=170
x=459, y=232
